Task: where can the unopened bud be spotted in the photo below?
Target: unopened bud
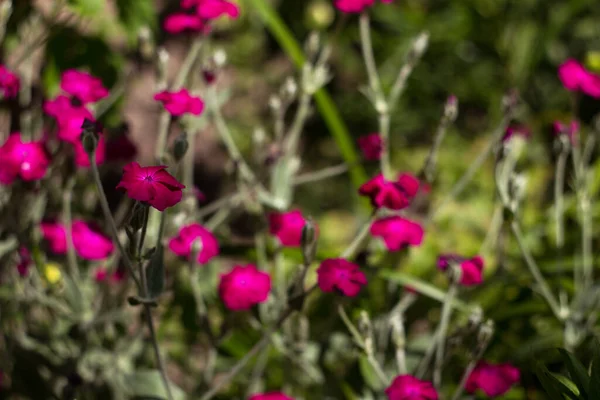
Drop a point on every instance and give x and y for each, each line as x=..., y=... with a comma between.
x=486, y=332
x=451, y=108
x=220, y=58
x=311, y=47
x=89, y=136
x=289, y=89
x=180, y=146
x=275, y=103
x=420, y=45
x=309, y=241
x=146, y=44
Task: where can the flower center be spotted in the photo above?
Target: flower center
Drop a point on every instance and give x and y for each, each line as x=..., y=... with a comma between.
x=148, y=178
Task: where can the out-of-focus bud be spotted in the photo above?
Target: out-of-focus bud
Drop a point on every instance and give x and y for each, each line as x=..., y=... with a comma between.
x=419, y=46
x=219, y=58
x=451, y=108
x=311, y=46
x=162, y=56
x=146, y=44
x=275, y=103
x=486, y=332
x=309, y=241
x=89, y=136
x=180, y=146
x=289, y=89
x=319, y=14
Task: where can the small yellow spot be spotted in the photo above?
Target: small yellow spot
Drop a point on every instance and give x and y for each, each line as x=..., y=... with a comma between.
x=52, y=273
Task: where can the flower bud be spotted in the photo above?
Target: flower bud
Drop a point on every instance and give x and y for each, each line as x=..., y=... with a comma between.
x=219, y=58
x=180, y=146
x=451, y=108
x=312, y=44
x=89, y=136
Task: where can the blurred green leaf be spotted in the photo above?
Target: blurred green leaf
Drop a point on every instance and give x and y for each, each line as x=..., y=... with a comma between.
x=553, y=387
x=577, y=371
x=594, y=388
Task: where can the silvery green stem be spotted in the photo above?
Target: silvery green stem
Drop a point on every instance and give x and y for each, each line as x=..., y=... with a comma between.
x=68, y=220
x=442, y=332
x=320, y=175
x=416, y=51
x=559, y=184
x=359, y=240
x=367, y=52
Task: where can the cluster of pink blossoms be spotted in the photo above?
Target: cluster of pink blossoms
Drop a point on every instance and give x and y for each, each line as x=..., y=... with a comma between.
x=89, y=242
x=197, y=14
x=356, y=6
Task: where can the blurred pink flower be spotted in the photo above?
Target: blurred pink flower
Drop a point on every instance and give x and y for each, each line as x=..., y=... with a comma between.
x=397, y=232
x=371, y=146
x=81, y=157
x=340, y=275
x=493, y=379
x=472, y=268
x=89, y=242
x=69, y=117
x=213, y=9
x=181, y=22
x=101, y=274
x=270, y=396
x=181, y=102
x=27, y=160
x=244, y=286
x=198, y=194
x=83, y=86
x=24, y=261
x=570, y=130
x=389, y=194
x=356, y=6
x=9, y=83
x=575, y=77
x=152, y=185
x=56, y=236
x=407, y=387
x=514, y=130
x=287, y=227
x=188, y=235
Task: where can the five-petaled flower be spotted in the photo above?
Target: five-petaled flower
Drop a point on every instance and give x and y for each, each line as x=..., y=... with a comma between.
x=180, y=102
x=575, y=77
x=340, y=275
x=195, y=234
x=243, y=287
x=493, y=379
x=82, y=86
x=270, y=396
x=407, y=387
x=397, y=232
x=152, y=185
x=356, y=6
x=9, y=83
x=371, y=146
x=471, y=268
x=394, y=195
x=287, y=227
x=27, y=160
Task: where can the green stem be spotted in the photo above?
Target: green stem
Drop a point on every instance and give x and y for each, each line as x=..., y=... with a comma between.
x=320, y=175
x=441, y=335
x=559, y=184
x=71, y=256
x=359, y=241
x=367, y=52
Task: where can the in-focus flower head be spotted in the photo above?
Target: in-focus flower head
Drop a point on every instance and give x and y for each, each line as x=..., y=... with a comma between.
x=180, y=102
x=570, y=130
x=26, y=160
x=182, y=244
x=69, y=117
x=81, y=157
x=89, y=242
x=355, y=6
x=575, y=77
x=83, y=86
x=340, y=275
x=243, y=287
x=493, y=379
x=9, y=83
x=152, y=185
x=371, y=146
x=287, y=227
x=394, y=195
x=407, y=387
x=471, y=268
x=213, y=9
x=270, y=396
x=182, y=22
x=397, y=232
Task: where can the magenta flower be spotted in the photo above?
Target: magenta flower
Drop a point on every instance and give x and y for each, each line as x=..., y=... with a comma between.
x=24, y=261
x=287, y=227
x=213, y=9
x=243, y=287
x=393, y=195
x=152, y=185
x=81, y=157
x=56, y=236
x=407, y=387
x=515, y=130
x=181, y=102
x=89, y=242
x=397, y=232
x=188, y=235
x=340, y=275
x=493, y=379
x=69, y=117
x=355, y=6
x=83, y=86
x=28, y=161
x=570, y=130
x=9, y=83
x=270, y=396
x=371, y=146
x=472, y=268
x=575, y=77
x=180, y=22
